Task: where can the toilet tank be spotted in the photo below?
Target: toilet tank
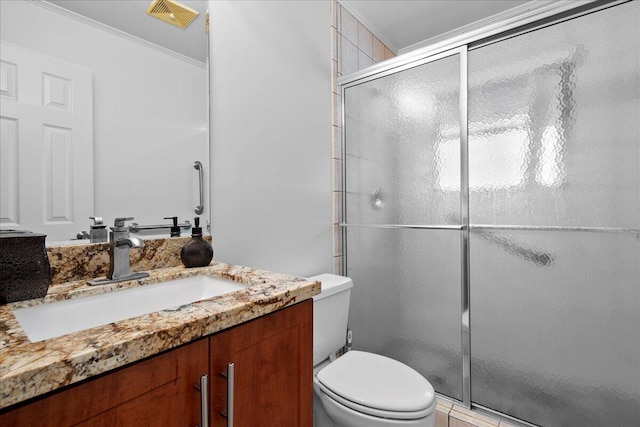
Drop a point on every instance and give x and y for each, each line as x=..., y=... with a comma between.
x=330, y=315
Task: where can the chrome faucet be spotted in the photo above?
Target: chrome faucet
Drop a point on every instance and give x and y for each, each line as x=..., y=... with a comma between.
x=98, y=230
x=119, y=252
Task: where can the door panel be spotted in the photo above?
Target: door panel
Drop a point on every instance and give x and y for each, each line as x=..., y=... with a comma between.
x=47, y=108
x=402, y=157
x=402, y=150
x=553, y=146
x=405, y=301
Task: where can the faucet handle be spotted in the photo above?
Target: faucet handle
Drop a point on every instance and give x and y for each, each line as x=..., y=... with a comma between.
x=119, y=222
x=97, y=220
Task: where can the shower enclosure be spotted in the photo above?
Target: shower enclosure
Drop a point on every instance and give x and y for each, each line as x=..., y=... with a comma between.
x=491, y=217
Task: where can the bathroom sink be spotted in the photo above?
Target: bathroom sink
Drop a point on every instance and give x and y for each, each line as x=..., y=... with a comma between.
x=44, y=321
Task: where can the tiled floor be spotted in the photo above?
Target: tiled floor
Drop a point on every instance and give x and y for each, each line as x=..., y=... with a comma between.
x=450, y=415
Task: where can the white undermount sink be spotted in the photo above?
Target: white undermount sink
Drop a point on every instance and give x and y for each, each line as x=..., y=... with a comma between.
x=44, y=321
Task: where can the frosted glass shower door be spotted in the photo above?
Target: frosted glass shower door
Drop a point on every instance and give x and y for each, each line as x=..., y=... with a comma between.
x=554, y=181
x=403, y=250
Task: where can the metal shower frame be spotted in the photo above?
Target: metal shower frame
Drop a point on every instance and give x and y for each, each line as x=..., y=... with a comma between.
x=537, y=17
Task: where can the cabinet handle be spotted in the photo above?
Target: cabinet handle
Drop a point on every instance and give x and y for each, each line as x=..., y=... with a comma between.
x=230, y=393
x=204, y=401
x=228, y=414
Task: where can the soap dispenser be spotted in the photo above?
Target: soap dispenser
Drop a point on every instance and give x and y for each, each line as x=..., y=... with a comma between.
x=197, y=252
x=175, y=229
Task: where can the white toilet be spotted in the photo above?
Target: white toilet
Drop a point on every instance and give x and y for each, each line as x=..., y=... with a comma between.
x=360, y=389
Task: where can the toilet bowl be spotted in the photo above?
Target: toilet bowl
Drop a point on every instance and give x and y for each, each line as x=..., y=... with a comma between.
x=361, y=389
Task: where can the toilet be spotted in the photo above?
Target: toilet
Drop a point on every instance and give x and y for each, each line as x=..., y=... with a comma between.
x=360, y=389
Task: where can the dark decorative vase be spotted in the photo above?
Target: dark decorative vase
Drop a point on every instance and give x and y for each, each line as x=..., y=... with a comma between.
x=197, y=252
x=24, y=266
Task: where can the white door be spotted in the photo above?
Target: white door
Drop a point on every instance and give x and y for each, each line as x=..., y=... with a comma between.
x=46, y=144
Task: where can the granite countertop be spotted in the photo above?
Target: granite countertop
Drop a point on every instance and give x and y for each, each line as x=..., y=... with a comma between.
x=30, y=369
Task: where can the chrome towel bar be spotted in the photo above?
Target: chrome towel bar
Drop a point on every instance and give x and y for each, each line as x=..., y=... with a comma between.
x=136, y=228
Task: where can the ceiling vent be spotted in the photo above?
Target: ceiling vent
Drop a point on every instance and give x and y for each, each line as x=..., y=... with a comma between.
x=172, y=12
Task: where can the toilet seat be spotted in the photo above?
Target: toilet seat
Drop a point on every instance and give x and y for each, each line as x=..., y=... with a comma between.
x=377, y=385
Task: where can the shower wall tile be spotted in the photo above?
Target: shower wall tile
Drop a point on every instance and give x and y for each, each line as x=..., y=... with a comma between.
x=337, y=207
x=449, y=415
x=337, y=99
x=348, y=56
x=388, y=54
x=337, y=143
x=348, y=26
x=368, y=51
x=377, y=50
x=334, y=44
x=365, y=40
x=337, y=170
x=454, y=422
x=364, y=60
x=337, y=232
x=337, y=247
x=443, y=408
x=463, y=417
x=337, y=264
x=334, y=14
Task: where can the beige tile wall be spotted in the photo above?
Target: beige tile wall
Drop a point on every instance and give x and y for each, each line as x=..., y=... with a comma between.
x=353, y=48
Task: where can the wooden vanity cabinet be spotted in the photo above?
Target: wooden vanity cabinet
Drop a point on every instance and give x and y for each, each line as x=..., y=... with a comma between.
x=158, y=391
x=272, y=357
x=272, y=370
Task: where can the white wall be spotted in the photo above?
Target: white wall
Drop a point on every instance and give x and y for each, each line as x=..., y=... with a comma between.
x=271, y=134
x=150, y=113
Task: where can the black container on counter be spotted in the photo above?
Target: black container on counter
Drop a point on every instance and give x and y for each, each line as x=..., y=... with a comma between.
x=197, y=252
x=24, y=266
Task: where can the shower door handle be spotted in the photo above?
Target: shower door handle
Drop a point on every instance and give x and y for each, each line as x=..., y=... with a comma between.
x=198, y=166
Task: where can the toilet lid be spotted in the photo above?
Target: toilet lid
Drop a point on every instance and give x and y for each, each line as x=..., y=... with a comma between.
x=378, y=382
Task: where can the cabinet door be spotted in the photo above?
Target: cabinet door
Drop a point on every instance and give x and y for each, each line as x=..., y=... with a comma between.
x=158, y=392
x=273, y=369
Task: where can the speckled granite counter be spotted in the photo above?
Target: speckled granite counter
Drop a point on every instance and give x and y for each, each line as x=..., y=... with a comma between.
x=30, y=369
x=88, y=261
